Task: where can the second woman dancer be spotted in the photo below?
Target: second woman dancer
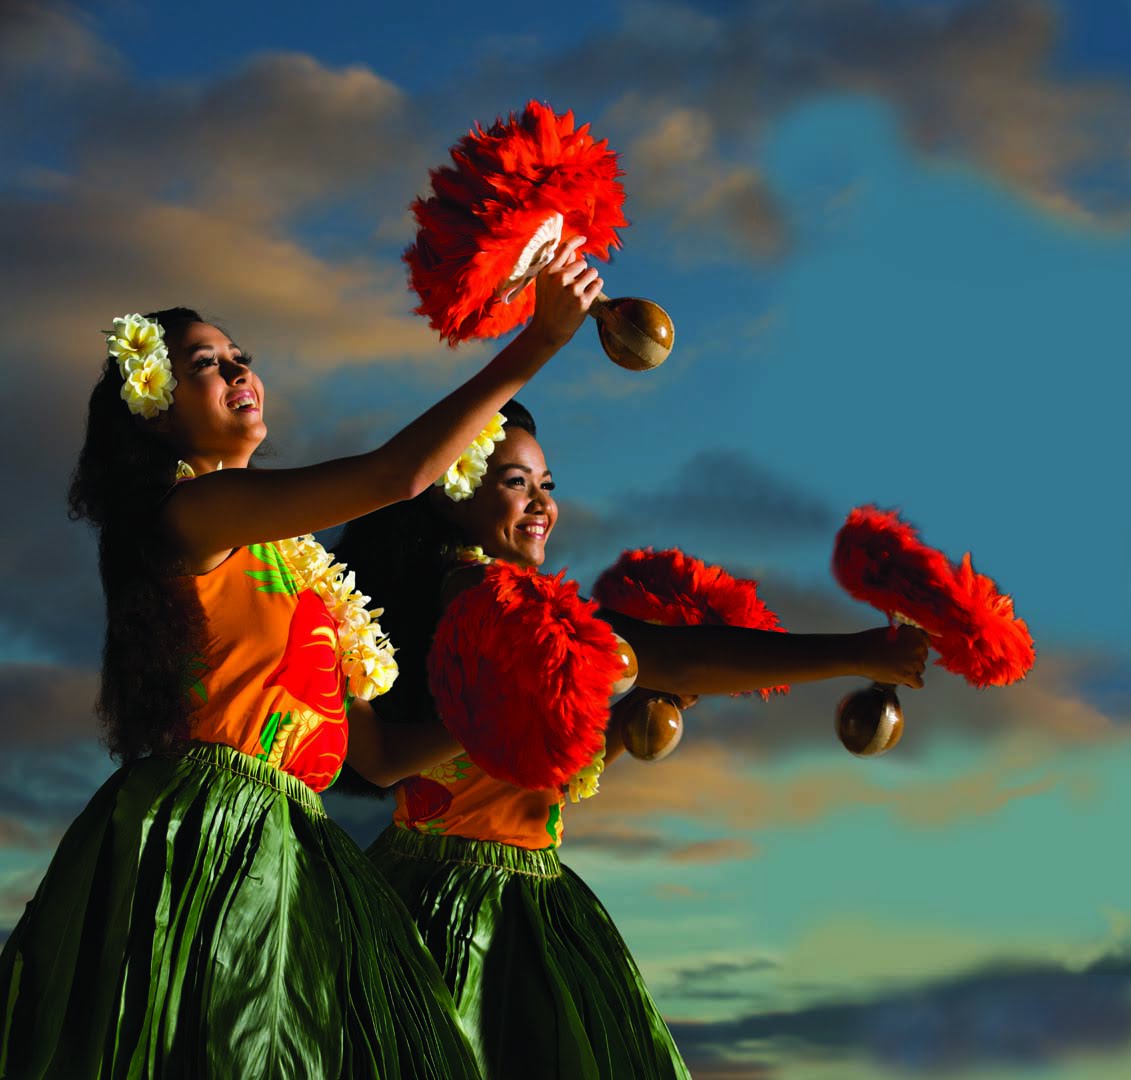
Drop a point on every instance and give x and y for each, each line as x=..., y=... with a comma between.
x=543, y=982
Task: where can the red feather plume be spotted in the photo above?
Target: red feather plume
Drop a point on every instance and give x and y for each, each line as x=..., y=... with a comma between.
x=674, y=589
x=880, y=560
x=994, y=647
x=521, y=669
x=503, y=184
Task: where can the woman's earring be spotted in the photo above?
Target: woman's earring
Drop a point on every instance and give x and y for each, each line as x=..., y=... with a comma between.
x=185, y=471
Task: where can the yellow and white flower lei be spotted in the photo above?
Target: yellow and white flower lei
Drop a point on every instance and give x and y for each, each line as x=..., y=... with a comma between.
x=466, y=473
x=366, y=653
x=586, y=783
x=138, y=344
x=472, y=555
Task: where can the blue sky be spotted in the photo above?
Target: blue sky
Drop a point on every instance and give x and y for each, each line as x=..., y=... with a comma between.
x=895, y=238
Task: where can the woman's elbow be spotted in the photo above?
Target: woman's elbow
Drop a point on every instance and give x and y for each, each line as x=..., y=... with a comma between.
x=382, y=774
x=397, y=483
x=416, y=485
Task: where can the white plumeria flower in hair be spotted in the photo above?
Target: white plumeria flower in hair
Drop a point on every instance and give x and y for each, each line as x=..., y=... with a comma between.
x=466, y=473
x=138, y=344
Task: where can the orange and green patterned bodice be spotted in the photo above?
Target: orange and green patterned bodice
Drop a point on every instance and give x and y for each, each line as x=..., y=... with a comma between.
x=458, y=798
x=268, y=681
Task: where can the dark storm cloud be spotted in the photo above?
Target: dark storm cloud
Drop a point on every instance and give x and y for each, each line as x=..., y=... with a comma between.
x=716, y=495
x=1009, y=1016
x=729, y=490
x=719, y=980
x=47, y=788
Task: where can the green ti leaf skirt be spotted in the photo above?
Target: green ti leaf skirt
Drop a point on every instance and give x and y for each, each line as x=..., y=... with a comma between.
x=204, y=918
x=544, y=983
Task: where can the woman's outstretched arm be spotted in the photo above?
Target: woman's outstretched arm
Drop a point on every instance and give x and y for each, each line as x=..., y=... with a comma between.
x=227, y=509
x=731, y=659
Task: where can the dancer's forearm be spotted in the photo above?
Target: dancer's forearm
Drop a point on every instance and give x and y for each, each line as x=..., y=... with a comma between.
x=385, y=753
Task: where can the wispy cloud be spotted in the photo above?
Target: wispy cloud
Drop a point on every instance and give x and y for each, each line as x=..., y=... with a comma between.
x=630, y=840
x=36, y=37
x=718, y=785
x=976, y=82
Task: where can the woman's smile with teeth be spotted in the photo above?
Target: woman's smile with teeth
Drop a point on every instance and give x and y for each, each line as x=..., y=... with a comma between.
x=533, y=528
x=243, y=401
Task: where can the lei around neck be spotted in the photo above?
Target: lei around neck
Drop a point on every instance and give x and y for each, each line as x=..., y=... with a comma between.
x=364, y=649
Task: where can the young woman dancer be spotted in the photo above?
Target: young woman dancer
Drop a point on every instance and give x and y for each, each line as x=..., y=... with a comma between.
x=544, y=984
x=202, y=916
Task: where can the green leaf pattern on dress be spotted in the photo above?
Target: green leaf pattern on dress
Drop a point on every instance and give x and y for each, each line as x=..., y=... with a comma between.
x=195, y=669
x=552, y=820
x=271, y=731
x=279, y=578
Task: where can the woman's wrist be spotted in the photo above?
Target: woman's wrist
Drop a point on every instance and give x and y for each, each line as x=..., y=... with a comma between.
x=857, y=660
x=541, y=342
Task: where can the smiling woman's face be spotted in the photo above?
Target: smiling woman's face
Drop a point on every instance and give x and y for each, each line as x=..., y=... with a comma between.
x=217, y=412
x=512, y=512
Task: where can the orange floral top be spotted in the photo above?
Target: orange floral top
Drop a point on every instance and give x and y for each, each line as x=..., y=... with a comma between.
x=268, y=681
x=458, y=798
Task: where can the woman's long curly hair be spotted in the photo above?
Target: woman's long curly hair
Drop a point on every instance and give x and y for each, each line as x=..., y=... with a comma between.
x=399, y=554
x=153, y=626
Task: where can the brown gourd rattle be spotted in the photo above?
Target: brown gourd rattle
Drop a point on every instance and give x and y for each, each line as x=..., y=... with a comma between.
x=650, y=723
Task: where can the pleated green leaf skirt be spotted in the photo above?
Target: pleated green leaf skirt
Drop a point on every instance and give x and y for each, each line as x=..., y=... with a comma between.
x=543, y=982
x=204, y=918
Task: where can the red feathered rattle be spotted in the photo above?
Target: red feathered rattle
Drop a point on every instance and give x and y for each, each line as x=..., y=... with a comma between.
x=497, y=215
x=880, y=560
x=674, y=589
x=522, y=671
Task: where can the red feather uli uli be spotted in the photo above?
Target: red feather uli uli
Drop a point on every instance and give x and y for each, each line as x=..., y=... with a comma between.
x=880, y=560
x=674, y=589
x=502, y=185
x=521, y=669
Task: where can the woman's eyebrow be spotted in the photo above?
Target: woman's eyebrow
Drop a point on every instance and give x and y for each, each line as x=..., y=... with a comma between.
x=193, y=349
x=523, y=468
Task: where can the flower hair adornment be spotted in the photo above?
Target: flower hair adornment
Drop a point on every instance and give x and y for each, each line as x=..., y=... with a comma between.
x=138, y=344
x=466, y=473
